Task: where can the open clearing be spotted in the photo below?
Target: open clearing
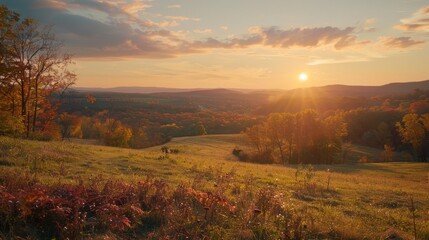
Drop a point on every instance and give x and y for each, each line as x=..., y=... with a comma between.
x=363, y=200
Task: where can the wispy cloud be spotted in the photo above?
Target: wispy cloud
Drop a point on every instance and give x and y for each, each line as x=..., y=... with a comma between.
x=418, y=22
x=400, y=42
x=298, y=37
x=174, y=21
x=368, y=25
x=203, y=31
x=321, y=61
x=174, y=6
x=135, y=7
x=182, y=18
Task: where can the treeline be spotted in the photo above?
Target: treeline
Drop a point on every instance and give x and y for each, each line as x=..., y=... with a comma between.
x=109, y=131
x=303, y=137
x=32, y=69
x=373, y=127
x=141, y=132
x=308, y=137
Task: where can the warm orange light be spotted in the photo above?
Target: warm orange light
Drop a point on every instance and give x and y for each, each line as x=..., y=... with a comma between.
x=303, y=76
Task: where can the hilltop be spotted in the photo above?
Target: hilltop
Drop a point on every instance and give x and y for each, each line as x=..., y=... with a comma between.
x=357, y=206
x=329, y=90
x=391, y=89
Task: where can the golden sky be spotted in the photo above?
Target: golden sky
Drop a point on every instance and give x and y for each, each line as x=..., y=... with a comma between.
x=239, y=43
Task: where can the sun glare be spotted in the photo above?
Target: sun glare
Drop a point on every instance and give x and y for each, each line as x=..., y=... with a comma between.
x=303, y=77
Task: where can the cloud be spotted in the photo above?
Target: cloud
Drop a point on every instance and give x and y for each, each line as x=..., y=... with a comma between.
x=400, y=42
x=203, y=31
x=166, y=24
x=174, y=21
x=182, y=18
x=135, y=7
x=91, y=35
x=114, y=29
x=368, y=25
x=321, y=61
x=418, y=22
x=297, y=37
x=224, y=28
x=174, y=6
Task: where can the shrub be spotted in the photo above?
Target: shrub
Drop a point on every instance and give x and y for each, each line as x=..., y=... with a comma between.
x=149, y=209
x=263, y=157
x=10, y=125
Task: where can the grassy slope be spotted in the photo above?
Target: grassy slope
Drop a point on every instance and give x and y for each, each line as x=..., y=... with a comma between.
x=365, y=200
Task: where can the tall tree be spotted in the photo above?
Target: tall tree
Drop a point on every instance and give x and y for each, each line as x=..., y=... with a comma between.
x=276, y=133
x=281, y=129
x=35, y=66
x=412, y=130
x=8, y=20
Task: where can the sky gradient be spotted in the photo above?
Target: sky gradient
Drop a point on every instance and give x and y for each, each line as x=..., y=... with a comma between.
x=239, y=43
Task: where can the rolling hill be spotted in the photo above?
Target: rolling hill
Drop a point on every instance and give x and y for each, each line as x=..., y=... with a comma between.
x=364, y=200
x=133, y=89
x=390, y=89
x=329, y=90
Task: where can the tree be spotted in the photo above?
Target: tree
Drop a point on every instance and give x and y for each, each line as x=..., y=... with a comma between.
x=70, y=125
x=413, y=131
x=305, y=136
x=10, y=125
x=199, y=129
x=140, y=138
x=309, y=129
x=329, y=144
x=276, y=133
x=33, y=67
x=116, y=134
x=388, y=153
x=281, y=129
x=8, y=92
x=257, y=135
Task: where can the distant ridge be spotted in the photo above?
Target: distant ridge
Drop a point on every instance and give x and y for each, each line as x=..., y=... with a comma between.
x=218, y=92
x=135, y=89
x=363, y=91
x=329, y=90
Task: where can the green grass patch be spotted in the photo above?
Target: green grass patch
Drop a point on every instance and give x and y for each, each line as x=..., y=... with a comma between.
x=364, y=200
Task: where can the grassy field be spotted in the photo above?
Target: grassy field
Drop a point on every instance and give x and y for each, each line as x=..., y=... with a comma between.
x=348, y=201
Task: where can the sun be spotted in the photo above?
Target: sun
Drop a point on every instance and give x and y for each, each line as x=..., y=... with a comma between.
x=303, y=77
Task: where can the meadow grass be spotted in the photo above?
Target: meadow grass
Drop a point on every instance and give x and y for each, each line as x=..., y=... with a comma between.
x=363, y=200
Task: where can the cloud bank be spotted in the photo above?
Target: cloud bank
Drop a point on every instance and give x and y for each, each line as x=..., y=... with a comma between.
x=418, y=22
x=116, y=28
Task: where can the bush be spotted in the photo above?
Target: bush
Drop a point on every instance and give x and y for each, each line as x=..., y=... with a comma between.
x=10, y=125
x=149, y=209
x=264, y=157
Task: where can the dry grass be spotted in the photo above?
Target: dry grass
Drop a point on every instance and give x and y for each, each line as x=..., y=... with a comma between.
x=363, y=200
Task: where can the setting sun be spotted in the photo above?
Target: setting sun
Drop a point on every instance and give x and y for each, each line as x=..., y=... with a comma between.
x=206, y=119
x=303, y=77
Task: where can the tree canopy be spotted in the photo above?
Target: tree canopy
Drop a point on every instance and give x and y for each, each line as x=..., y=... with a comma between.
x=33, y=67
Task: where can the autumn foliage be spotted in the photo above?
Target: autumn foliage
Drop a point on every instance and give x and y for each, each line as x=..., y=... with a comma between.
x=33, y=68
x=148, y=209
x=304, y=137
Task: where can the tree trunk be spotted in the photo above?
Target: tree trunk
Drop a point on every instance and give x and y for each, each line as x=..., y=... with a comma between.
x=35, y=104
x=279, y=145
x=13, y=106
x=27, y=98
x=23, y=105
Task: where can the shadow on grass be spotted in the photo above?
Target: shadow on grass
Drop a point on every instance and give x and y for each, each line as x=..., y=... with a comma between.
x=351, y=167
